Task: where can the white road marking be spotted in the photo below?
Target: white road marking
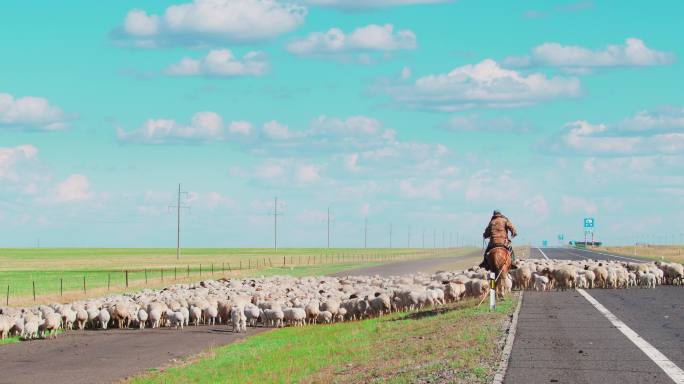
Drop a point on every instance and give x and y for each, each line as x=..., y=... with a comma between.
x=671, y=369
x=543, y=254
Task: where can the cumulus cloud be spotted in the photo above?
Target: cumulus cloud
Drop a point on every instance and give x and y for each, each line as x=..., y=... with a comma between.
x=202, y=22
x=29, y=112
x=369, y=4
x=334, y=43
x=221, y=63
x=634, y=53
x=486, y=85
x=11, y=158
x=75, y=188
x=204, y=127
x=648, y=132
x=243, y=128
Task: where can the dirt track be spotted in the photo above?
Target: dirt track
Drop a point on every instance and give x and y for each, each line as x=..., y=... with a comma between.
x=107, y=356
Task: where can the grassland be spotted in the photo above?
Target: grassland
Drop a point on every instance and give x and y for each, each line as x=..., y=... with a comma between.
x=71, y=274
x=454, y=344
x=670, y=253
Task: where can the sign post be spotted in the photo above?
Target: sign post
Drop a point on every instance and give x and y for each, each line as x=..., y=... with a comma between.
x=492, y=291
x=589, y=223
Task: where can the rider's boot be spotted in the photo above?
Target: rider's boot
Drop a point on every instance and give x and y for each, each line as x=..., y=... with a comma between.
x=514, y=265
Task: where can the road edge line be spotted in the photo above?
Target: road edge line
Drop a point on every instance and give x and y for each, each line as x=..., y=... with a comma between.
x=508, y=348
x=671, y=369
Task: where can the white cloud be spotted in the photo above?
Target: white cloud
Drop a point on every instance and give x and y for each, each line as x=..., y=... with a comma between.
x=369, y=4
x=75, y=188
x=485, y=84
x=577, y=205
x=243, y=128
x=634, y=53
x=204, y=127
x=215, y=200
x=211, y=21
x=308, y=173
x=369, y=38
x=221, y=63
x=645, y=133
x=277, y=131
x=31, y=113
x=13, y=157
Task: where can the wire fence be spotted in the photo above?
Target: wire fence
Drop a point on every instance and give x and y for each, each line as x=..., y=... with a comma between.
x=23, y=286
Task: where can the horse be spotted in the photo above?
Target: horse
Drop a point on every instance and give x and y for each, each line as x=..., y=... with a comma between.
x=499, y=260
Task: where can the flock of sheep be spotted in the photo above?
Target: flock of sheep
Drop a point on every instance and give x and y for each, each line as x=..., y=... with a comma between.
x=287, y=301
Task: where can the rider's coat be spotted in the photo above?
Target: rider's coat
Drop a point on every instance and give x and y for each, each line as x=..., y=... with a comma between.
x=498, y=229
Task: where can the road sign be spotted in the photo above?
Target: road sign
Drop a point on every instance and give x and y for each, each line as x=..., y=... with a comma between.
x=588, y=222
x=545, y=243
x=561, y=237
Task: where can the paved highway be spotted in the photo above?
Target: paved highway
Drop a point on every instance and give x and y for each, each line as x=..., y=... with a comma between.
x=599, y=336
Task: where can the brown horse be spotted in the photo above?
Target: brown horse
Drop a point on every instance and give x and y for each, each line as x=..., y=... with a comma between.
x=499, y=260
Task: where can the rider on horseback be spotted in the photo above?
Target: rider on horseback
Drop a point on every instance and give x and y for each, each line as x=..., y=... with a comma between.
x=497, y=233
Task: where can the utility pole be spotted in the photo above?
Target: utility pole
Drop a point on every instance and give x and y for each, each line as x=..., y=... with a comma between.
x=328, y=227
x=390, y=235
x=178, y=207
x=275, y=225
x=365, y=232
x=409, y=237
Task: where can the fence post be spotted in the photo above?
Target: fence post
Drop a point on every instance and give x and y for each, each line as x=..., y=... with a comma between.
x=223, y=268
x=61, y=286
x=283, y=261
x=212, y=269
x=84, y=284
x=162, y=274
x=188, y=275
x=109, y=281
x=270, y=262
x=249, y=263
x=7, y=297
x=229, y=270
x=175, y=273
x=34, y=289
x=200, y=270
x=126, y=278
x=240, y=264
x=145, y=276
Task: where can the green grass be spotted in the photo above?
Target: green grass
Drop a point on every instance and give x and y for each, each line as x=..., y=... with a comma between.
x=62, y=269
x=10, y=340
x=400, y=348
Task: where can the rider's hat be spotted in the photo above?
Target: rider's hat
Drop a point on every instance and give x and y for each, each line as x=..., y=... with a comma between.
x=496, y=212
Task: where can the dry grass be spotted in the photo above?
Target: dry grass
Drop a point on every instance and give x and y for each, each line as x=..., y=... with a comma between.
x=670, y=253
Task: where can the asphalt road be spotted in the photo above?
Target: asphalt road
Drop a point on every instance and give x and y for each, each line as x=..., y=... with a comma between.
x=563, y=338
x=108, y=356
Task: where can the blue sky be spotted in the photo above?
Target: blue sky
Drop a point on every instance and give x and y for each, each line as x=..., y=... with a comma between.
x=412, y=113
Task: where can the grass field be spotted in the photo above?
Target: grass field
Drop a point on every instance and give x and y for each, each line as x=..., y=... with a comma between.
x=456, y=344
x=670, y=253
x=71, y=274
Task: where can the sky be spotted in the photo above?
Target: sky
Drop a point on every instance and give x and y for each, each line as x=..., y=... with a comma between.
x=419, y=116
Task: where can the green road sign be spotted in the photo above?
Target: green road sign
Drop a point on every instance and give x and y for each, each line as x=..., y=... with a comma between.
x=588, y=222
